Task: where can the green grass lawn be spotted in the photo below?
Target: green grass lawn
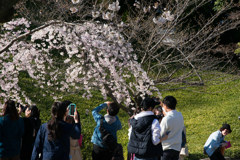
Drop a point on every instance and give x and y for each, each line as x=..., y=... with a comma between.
x=203, y=114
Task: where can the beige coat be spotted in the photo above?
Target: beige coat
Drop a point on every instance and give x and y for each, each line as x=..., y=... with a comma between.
x=75, y=151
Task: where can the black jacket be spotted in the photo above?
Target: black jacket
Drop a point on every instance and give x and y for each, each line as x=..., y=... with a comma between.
x=140, y=142
x=31, y=126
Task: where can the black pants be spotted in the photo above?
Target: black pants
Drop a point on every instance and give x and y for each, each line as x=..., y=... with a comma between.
x=99, y=153
x=170, y=154
x=217, y=156
x=11, y=158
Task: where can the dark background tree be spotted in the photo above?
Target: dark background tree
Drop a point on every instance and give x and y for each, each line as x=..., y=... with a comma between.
x=6, y=10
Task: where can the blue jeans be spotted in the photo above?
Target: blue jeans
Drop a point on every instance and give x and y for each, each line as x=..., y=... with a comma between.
x=153, y=158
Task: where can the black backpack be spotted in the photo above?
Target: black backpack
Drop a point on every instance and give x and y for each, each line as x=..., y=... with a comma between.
x=107, y=138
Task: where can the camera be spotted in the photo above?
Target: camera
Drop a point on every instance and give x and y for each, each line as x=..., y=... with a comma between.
x=156, y=99
x=19, y=105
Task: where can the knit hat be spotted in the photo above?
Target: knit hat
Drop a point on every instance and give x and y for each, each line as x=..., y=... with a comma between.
x=227, y=126
x=149, y=102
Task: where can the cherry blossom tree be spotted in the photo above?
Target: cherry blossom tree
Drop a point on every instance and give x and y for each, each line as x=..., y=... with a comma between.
x=71, y=57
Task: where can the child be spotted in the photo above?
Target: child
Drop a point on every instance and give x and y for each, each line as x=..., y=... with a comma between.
x=75, y=151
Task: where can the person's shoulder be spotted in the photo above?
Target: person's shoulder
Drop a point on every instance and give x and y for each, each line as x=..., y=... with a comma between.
x=6, y=117
x=66, y=126
x=20, y=120
x=215, y=134
x=44, y=125
x=117, y=117
x=1, y=119
x=175, y=114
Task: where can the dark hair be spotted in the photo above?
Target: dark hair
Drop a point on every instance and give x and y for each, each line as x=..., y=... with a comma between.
x=35, y=113
x=10, y=108
x=221, y=129
x=67, y=102
x=159, y=108
x=137, y=110
x=70, y=119
x=170, y=102
x=58, y=112
x=113, y=109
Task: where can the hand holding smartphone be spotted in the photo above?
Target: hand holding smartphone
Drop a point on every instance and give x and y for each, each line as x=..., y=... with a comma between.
x=71, y=109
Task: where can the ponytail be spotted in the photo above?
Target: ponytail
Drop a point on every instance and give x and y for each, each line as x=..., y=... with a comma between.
x=54, y=126
x=54, y=129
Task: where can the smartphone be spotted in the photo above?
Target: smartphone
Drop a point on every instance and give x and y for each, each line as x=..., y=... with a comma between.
x=167, y=133
x=71, y=109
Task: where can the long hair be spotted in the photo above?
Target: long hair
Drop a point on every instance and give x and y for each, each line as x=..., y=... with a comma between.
x=35, y=113
x=58, y=113
x=10, y=108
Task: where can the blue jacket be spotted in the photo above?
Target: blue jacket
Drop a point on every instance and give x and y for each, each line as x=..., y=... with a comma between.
x=213, y=142
x=58, y=149
x=11, y=133
x=112, y=128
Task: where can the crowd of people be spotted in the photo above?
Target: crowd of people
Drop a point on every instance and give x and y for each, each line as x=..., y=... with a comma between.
x=155, y=133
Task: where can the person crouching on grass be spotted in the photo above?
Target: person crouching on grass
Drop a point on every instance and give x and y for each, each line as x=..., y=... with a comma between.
x=216, y=141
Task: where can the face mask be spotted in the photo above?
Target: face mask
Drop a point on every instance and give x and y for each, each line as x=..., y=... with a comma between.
x=164, y=111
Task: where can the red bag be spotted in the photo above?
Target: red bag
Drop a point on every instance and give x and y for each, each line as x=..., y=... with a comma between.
x=80, y=140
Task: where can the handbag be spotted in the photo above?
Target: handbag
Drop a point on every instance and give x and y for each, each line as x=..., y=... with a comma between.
x=80, y=140
x=107, y=138
x=184, y=151
x=184, y=140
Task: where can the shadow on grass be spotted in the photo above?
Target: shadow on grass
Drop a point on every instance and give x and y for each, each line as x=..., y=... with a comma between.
x=196, y=156
x=202, y=156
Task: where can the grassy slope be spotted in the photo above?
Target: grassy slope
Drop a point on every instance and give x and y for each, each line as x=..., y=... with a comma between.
x=203, y=114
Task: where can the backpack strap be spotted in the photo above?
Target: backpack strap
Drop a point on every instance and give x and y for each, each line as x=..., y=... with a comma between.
x=101, y=129
x=101, y=121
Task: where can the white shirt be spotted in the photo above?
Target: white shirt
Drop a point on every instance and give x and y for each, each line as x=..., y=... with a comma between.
x=172, y=122
x=155, y=129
